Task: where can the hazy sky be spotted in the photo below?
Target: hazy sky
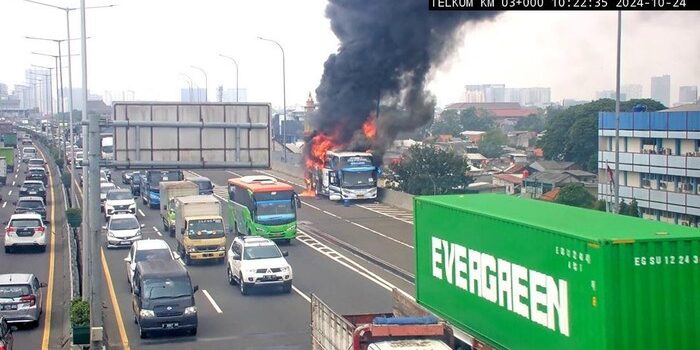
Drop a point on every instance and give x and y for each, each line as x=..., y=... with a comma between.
x=143, y=45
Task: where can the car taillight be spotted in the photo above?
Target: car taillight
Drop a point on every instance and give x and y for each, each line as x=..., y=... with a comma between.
x=10, y=229
x=31, y=299
x=2, y=346
x=39, y=229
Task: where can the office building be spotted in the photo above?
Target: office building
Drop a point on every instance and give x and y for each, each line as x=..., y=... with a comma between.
x=631, y=91
x=659, y=162
x=499, y=93
x=661, y=89
x=687, y=94
x=4, y=93
x=192, y=95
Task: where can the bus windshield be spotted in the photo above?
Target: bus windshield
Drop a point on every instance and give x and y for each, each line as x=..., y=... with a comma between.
x=358, y=178
x=275, y=212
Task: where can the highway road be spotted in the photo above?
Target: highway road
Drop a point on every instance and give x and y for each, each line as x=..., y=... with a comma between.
x=349, y=256
x=48, y=266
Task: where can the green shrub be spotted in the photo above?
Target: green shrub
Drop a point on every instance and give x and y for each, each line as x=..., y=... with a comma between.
x=74, y=216
x=79, y=312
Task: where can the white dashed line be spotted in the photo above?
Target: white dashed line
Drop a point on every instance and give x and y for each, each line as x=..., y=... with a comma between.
x=211, y=300
x=13, y=183
x=15, y=176
x=141, y=212
x=331, y=214
x=236, y=174
x=158, y=232
x=9, y=193
x=4, y=204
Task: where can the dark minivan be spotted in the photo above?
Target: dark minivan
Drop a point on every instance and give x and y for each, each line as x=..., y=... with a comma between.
x=204, y=184
x=164, y=298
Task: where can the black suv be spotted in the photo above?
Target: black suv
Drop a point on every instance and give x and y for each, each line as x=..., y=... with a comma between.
x=135, y=183
x=37, y=174
x=31, y=205
x=33, y=188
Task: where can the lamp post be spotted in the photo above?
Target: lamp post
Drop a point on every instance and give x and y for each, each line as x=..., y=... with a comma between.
x=616, y=206
x=48, y=76
x=236, y=64
x=206, y=83
x=284, y=98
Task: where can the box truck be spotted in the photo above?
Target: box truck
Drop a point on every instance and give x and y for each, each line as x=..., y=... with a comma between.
x=169, y=190
x=199, y=228
x=522, y=274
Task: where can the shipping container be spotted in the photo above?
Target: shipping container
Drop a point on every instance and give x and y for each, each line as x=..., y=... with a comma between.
x=518, y=274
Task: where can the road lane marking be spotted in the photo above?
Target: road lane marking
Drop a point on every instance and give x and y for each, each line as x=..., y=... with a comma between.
x=158, y=232
x=388, y=212
x=314, y=244
x=331, y=214
x=141, y=212
x=211, y=300
x=115, y=303
x=4, y=204
x=13, y=183
x=380, y=234
x=15, y=176
x=49, y=289
x=295, y=289
x=235, y=174
x=9, y=193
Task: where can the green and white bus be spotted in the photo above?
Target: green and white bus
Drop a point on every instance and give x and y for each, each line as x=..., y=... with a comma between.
x=263, y=206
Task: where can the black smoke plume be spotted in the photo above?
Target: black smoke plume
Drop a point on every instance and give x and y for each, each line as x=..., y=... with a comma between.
x=387, y=48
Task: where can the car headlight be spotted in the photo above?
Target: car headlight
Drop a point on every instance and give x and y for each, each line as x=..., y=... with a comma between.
x=146, y=313
x=191, y=249
x=261, y=229
x=190, y=310
x=222, y=248
x=110, y=233
x=285, y=269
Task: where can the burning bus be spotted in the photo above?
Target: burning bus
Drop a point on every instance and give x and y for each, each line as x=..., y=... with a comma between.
x=346, y=175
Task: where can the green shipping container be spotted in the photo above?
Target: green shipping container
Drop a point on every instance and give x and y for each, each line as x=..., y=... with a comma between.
x=9, y=139
x=525, y=274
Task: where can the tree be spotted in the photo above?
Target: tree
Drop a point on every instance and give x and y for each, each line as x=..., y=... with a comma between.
x=632, y=209
x=575, y=194
x=600, y=205
x=429, y=170
x=453, y=122
x=491, y=145
x=572, y=134
x=623, y=209
x=533, y=122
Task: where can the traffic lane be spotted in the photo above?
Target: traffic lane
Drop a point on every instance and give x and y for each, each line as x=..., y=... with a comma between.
x=393, y=228
x=23, y=261
x=397, y=269
x=243, y=320
x=341, y=286
x=333, y=219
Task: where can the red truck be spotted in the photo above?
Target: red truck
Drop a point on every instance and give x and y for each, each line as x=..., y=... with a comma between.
x=408, y=327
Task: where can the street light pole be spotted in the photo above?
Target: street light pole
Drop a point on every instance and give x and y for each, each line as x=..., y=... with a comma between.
x=284, y=98
x=616, y=207
x=206, y=83
x=53, y=116
x=236, y=64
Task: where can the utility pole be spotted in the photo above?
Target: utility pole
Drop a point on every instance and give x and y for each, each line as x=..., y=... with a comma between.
x=616, y=206
x=284, y=98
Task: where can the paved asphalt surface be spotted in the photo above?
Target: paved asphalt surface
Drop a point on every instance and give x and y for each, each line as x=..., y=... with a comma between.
x=52, y=326
x=351, y=257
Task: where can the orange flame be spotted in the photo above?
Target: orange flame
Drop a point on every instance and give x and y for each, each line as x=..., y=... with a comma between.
x=322, y=143
x=369, y=127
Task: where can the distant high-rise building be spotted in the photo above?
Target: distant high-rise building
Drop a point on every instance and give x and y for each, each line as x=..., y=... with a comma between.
x=611, y=94
x=688, y=94
x=498, y=93
x=229, y=95
x=631, y=91
x=661, y=89
x=3, y=91
x=192, y=95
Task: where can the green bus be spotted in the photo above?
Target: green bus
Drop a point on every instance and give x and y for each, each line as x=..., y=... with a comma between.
x=263, y=206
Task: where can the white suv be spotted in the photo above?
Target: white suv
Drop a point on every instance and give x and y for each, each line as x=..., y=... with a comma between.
x=254, y=261
x=119, y=201
x=25, y=230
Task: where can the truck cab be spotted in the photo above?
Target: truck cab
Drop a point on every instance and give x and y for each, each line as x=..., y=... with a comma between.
x=199, y=228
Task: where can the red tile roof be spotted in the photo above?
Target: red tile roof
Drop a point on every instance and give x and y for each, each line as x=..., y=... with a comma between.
x=509, y=177
x=552, y=195
x=513, y=112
